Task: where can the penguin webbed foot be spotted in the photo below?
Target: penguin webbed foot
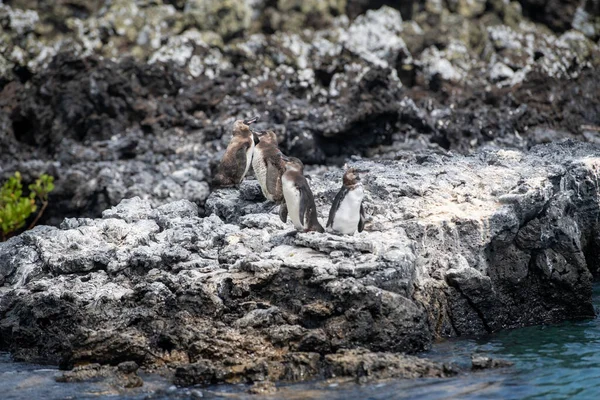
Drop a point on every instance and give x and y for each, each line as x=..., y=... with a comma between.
x=270, y=205
x=314, y=229
x=291, y=234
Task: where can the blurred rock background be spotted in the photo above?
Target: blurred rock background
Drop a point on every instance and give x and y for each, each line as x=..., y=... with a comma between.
x=120, y=98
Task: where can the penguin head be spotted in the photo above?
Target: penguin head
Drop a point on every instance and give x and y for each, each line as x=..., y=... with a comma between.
x=267, y=136
x=351, y=177
x=293, y=164
x=242, y=128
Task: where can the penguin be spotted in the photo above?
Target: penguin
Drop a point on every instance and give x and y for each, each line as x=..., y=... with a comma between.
x=347, y=213
x=299, y=199
x=238, y=157
x=268, y=166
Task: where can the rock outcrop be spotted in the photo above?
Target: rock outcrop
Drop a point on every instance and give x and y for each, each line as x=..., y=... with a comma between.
x=454, y=246
x=120, y=99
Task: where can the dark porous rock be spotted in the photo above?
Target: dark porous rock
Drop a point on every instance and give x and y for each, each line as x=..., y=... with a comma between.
x=482, y=362
x=557, y=14
x=128, y=367
x=357, y=7
x=85, y=122
x=453, y=245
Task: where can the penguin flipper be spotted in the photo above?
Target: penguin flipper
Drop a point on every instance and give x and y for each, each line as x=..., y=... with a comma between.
x=240, y=159
x=361, y=221
x=308, y=209
x=283, y=212
x=273, y=178
x=336, y=205
x=304, y=202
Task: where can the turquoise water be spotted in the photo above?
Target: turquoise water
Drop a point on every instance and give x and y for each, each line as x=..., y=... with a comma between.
x=551, y=362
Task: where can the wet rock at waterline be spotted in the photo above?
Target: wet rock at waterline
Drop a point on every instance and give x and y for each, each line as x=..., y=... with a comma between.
x=124, y=375
x=453, y=246
x=481, y=362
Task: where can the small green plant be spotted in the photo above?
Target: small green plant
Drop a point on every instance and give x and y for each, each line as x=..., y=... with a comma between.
x=15, y=208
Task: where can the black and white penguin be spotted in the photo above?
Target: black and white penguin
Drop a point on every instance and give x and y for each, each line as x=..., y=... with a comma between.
x=347, y=214
x=268, y=166
x=238, y=157
x=299, y=199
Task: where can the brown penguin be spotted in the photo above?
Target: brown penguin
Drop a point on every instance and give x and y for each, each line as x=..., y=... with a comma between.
x=238, y=156
x=269, y=166
x=299, y=199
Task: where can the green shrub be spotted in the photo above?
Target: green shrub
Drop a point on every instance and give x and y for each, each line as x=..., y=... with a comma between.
x=15, y=208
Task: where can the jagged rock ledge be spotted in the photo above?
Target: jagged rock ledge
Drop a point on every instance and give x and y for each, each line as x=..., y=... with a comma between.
x=454, y=246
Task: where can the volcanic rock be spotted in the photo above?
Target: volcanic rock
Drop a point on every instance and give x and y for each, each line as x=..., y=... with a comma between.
x=453, y=246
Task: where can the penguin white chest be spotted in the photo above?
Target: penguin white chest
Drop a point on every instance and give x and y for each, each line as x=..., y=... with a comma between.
x=260, y=171
x=292, y=201
x=249, y=153
x=347, y=216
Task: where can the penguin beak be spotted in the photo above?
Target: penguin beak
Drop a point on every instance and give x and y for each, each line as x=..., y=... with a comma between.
x=357, y=173
x=251, y=120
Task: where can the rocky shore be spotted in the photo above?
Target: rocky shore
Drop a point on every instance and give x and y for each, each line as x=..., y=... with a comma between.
x=454, y=245
x=479, y=121
x=118, y=99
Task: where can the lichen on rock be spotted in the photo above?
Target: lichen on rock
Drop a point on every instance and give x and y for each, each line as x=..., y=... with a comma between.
x=227, y=18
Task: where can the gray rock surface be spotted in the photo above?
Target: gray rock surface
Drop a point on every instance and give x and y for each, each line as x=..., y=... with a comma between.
x=453, y=246
x=123, y=98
